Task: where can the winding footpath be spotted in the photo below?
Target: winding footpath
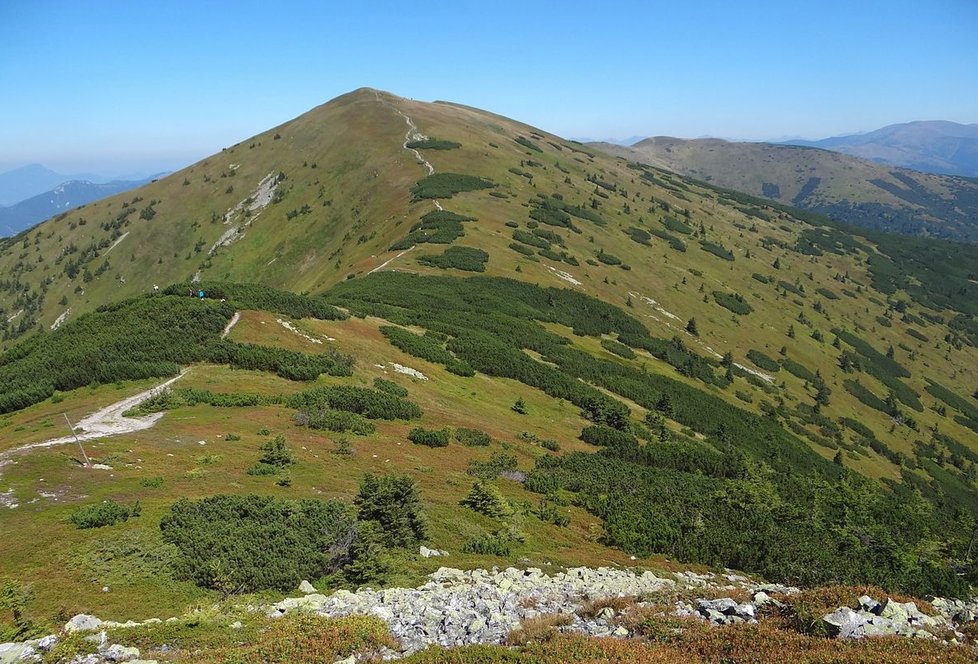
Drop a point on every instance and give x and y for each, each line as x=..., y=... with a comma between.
x=412, y=134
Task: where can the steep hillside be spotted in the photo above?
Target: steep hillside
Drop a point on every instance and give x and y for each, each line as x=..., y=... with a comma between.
x=935, y=146
x=573, y=358
x=853, y=190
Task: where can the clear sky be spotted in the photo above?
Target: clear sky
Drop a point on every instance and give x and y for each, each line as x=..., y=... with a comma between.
x=129, y=85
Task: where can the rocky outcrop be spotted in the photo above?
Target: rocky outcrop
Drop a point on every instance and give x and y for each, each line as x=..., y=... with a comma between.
x=105, y=652
x=891, y=618
x=456, y=608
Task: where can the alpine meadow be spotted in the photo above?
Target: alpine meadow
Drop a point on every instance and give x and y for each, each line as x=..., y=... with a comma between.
x=495, y=395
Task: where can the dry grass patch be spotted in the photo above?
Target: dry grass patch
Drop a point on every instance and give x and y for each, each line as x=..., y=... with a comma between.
x=541, y=629
x=595, y=606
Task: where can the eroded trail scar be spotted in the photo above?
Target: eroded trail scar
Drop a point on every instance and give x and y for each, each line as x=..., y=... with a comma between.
x=108, y=421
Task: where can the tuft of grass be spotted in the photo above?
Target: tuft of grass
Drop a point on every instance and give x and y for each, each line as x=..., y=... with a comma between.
x=593, y=607
x=541, y=629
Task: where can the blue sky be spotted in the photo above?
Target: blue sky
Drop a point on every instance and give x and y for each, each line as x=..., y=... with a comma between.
x=130, y=85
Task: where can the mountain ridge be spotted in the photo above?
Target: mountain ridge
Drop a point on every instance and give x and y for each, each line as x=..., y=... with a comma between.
x=850, y=189
x=933, y=146
x=68, y=194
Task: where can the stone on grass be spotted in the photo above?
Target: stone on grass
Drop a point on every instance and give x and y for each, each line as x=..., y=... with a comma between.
x=83, y=623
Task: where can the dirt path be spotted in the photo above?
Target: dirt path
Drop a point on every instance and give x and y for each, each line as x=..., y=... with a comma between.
x=389, y=261
x=231, y=323
x=116, y=243
x=108, y=421
x=412, y=134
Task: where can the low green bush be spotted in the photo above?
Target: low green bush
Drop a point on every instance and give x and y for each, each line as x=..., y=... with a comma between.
x=472, y=437
x=618, y=348
x=468, y=259
x=429, y=437
x=390, y=387
x=394, y=503
x=433, y=144
x=497, y=463
x=249, y=543
x=106, y=513
x=486, y=499
x=735, y=302
x=763, y=361
x=446, y=185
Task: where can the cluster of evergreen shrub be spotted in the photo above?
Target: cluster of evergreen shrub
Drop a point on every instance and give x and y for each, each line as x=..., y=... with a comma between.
x=523, y=249
x=151, y=337
x=425, y=347
x=134, y=339
x=735, y=302
x=336, y=420
x=435, y=227
x=446, y=185
x=390, y=387
x=639, y=235
x=531, y=239
x=606, y=258
x=937, y=274
x=676, y=225
x=527, y=143
x=371, y=404
x=554, y=211
x=490, y=469
x=717, y=250
x=167, y=399
x=289, y=364
x=106, y=513
x=797, y=369
x=250, y=543
x=429, y=437
x=763, y=361
x=792, y=288
x=276, y=457
x=256, y=296
x=468, y=259
x=472, y=437
x=618, y=348
x=433, y=144
x=884, y=368
x=673, y=241
x=740, y=495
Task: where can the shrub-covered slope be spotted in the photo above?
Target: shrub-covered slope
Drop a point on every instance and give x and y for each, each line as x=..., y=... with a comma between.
x=644, y=365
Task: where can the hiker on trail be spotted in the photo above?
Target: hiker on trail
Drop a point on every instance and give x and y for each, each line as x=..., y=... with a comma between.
x=201, y=295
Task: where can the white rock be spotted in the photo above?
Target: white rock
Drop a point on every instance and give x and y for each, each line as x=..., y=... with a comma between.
x=307, y=588
x=82, y=623
x=120, y=653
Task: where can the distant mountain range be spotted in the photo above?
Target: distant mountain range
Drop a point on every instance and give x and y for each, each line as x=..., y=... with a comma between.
x=933, y=146
x=853, y=190
x=61, y=198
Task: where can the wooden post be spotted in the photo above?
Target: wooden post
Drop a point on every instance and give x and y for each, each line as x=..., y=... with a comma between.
x=77, y=440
